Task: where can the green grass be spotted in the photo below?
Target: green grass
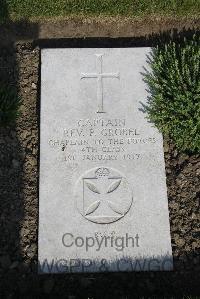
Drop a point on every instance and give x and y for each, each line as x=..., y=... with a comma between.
x=16, y=9
x=174, y=86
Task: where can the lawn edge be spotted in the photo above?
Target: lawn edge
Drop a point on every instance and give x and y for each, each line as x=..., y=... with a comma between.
x=81, y=27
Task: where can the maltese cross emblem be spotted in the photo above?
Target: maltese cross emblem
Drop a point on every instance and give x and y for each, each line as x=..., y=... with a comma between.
x=105, y=195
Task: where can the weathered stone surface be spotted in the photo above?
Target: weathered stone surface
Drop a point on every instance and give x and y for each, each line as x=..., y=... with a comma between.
x=103, y=198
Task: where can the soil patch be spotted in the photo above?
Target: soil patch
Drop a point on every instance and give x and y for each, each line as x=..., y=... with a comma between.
x=82, y=27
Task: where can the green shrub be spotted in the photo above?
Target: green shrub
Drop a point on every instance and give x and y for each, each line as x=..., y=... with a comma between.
x=9, y=105
x=174, y=86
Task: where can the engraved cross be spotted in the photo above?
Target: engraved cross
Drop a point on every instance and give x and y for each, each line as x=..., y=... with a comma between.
x=99, y=75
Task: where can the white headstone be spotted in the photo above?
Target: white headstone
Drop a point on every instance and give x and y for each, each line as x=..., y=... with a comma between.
x=103, y=198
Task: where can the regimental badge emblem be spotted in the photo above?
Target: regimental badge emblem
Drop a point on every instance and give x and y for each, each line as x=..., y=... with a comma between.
x=103, y=195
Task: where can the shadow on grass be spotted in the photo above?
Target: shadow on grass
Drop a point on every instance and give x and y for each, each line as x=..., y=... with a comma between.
x=4, y=16
x=11, y=32
x=21, y=280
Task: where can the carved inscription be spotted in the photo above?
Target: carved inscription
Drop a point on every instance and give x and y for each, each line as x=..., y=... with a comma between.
x=100, y=140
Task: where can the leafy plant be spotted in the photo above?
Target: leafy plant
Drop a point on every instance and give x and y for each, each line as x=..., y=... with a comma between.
x=174, y=86
x=9, y=105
